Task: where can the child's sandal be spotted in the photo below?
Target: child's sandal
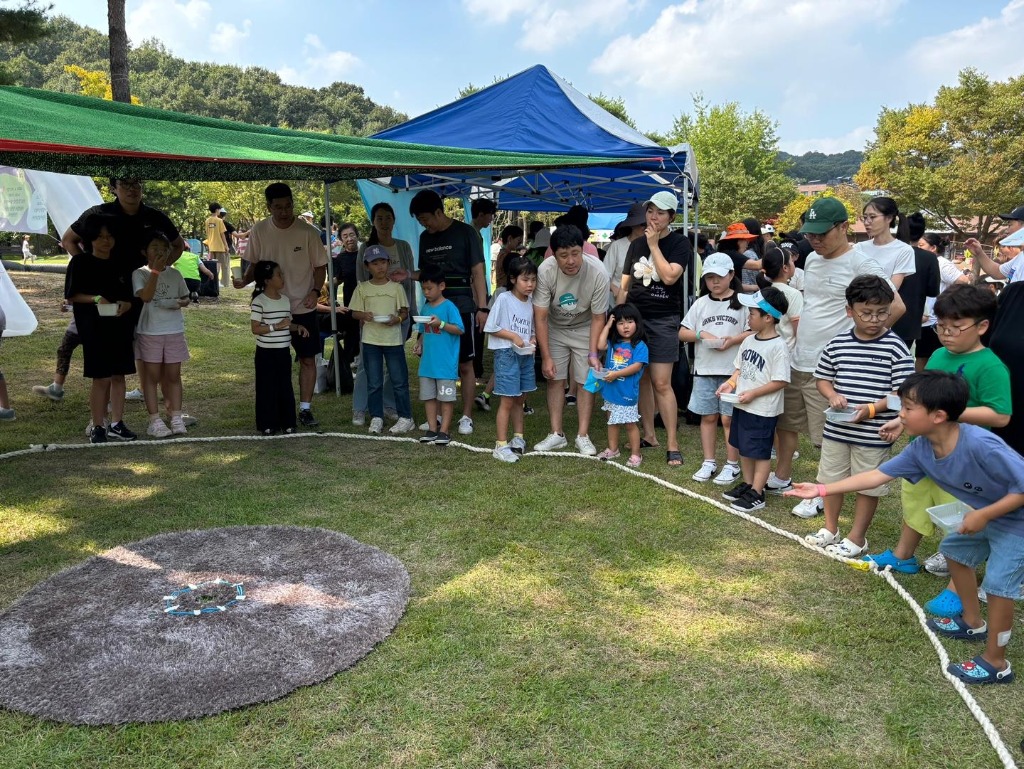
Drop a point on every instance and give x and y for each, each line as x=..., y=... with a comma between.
x=634, y=460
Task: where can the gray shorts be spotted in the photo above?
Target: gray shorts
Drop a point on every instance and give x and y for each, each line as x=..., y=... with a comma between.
x=703, y=400
x=441, y=390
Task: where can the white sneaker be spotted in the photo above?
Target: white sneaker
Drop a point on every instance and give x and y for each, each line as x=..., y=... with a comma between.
x=518, y=445
x=505, y=454
x=376, y=426
x=465, y=425
x=359, y=418
x=729, y=475
x=707, y=469
x=586, y=446
x=402, y=426
x=134, y=395
x=808, y=508
x=776, y=485
x=178, y=426
x=848, y=549
x=552, y=442
x=823, y=538
x=157, y=429
x=936, y=564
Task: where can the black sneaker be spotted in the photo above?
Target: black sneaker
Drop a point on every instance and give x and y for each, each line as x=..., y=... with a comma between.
x=99, y=435
x=442, y=439
x=570, y=400
x=428, y=437
x=306, y=419
x=736, y=492
x=749, y=502
x=119, y=432
x=528, y=410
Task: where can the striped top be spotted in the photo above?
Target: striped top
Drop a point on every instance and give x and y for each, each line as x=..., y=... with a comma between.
x=864, y=371
x=272, y=311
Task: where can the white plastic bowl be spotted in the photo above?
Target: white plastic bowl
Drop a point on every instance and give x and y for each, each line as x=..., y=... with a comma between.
x=893, y=402
x=528, y=349
x=421, y=318
x=949, y=516
x=729, y=398
x=382, y=318
x=107, y=310
x=840, y=415
x=713, y=344
x=598, y=373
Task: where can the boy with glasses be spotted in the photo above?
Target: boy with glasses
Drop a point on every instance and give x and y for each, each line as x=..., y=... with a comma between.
x=964, y=313
x=859, y=368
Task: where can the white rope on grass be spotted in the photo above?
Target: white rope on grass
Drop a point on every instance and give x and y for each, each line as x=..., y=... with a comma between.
x=959, y=686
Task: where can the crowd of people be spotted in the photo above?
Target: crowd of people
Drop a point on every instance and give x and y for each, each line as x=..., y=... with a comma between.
x=807, y=335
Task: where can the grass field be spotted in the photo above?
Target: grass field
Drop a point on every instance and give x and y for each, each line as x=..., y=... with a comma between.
x=563, y=614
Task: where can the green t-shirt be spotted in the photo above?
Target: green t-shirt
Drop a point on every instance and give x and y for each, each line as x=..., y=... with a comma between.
x=188, y=265
x=986, y=376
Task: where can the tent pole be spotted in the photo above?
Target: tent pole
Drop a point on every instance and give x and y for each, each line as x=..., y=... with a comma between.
x=331, y=291
x=686, y=229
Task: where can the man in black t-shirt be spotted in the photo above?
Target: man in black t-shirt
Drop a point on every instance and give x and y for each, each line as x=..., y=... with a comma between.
x=456, y=248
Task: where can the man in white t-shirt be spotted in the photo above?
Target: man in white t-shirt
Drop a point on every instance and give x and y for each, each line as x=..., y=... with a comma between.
x=296, y=247
x=828, y=270
x=569, y=310
x=1013, y=270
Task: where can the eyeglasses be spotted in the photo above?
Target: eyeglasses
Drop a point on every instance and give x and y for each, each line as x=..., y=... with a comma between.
x=951, y=330
x=867, y=316
x=870, y=217
x=821, y=235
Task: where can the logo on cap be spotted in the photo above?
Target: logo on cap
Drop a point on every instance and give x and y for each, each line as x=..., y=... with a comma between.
x=812, y=214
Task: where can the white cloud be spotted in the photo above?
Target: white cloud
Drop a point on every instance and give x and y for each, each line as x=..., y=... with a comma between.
x=177, y=24
x=230, y=37
x=319, y=67
x=992, y=45
x=701, y=45
x=547, y=25
x=853, y=140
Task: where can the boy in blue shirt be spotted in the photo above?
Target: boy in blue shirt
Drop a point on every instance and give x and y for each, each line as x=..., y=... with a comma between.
x=980, y=470
x=438, y=344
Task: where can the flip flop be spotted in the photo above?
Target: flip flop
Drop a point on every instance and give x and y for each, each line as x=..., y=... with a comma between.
x=674, y=458
x=978, y=671
x=646, y=444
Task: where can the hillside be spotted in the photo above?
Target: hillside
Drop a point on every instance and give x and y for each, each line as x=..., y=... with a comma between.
x=159, y=79
x=817, y=166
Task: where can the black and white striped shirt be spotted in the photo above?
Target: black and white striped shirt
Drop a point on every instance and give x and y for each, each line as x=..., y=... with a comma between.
x=272, y=312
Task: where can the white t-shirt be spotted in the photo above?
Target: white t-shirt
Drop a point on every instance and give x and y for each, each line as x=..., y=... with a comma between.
x=797, y=281
x=896, y=257
x=1014, y=269
x=714, y=316
x=949, y=274
x=796, y=306
x=510, y=314
x=272, y=312
x=161, y=316
x=572, y=300
x=614, y=261
x=761, y=361
x=824, y=313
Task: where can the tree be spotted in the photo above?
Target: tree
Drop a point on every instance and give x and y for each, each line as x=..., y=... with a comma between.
x=737, y=154
x=94, y=82
x=851, y=197
x=21, y=25
x=616, y=105
x=959, y=158
x=118, y=51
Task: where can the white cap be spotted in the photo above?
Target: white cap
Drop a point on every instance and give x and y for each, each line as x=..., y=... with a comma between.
x=664, y=200
x=718, y=264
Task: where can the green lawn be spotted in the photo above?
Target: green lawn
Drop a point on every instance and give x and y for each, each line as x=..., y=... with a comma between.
x=563, y=613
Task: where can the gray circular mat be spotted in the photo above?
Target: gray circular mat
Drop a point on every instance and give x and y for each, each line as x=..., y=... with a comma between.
x=95, y=644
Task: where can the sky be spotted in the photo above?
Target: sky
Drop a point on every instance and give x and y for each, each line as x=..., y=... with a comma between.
x=823, y=70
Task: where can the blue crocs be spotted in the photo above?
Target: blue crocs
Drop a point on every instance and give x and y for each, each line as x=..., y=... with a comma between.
x=978, y=671
x=945, y=604
x=902, y=565
x=955, y=627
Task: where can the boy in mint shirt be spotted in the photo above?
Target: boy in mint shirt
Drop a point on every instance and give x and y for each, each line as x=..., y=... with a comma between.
x=438, y=344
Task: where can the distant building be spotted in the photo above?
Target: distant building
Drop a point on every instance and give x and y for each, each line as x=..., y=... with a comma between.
x=811, y=190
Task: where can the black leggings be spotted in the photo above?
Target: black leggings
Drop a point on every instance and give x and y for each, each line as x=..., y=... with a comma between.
x=67, y=348
x=275, y=398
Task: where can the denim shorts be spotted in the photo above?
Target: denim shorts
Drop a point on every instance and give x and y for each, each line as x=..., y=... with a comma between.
x=703, y=400
x=514, y=374
x=1004, y=572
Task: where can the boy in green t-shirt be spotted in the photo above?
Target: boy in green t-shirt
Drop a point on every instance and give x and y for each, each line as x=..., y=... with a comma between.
x=964, y=313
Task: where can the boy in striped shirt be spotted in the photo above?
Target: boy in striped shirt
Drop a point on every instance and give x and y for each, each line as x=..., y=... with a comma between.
x=858, y=369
